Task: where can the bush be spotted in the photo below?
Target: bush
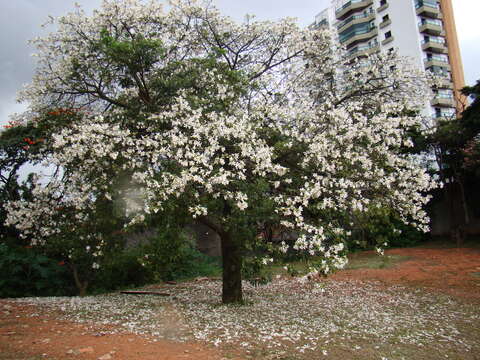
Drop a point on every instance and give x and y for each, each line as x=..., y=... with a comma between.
x=382, y=226
x=121, y=270
x=255, y=271
x=167, y=256
x=171, y=255
x=26, y=272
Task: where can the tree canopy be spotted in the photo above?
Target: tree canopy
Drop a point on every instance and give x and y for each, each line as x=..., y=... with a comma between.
x=235, y=124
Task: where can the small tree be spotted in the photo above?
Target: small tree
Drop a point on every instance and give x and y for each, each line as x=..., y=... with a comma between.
x=240, y=124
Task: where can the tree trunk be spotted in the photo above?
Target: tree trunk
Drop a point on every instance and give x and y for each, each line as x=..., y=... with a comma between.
x=466, y=216
x=81, y=285
x=232, y=257
x=232, y=269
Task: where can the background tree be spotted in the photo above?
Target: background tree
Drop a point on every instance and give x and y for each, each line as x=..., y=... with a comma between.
x=454, y=142
x=236, y=125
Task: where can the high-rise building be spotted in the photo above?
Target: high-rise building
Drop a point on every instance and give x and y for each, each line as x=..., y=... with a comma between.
x=423, y=30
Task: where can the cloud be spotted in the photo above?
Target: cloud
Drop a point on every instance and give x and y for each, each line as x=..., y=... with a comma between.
x=15, y=63
x=304, y=10
x=20, y=21
x=466, y=19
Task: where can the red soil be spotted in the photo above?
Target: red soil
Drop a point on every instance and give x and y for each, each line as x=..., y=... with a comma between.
x=23, y=337
x=453, y=271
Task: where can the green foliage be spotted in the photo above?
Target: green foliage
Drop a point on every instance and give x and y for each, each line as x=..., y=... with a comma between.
x=254, y=269
x=455, y=143
x=121, y=270
x=470, y=123
x=292, y=270
x=171, y=255
x=137, y=54
x=457, y=140
x=255, y=272
x=27, y=272
x=471, y=116
x=382, y=226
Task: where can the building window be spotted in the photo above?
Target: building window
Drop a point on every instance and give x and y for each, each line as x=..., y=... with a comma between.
x=385, y=18
x=383, y=2
x=388, y=35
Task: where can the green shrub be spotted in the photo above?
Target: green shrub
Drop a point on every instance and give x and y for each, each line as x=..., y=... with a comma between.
x=121, y=270
x=26, y=272
x=195, y=264
x=171, y=255
x=382, y=226
x=255, y=271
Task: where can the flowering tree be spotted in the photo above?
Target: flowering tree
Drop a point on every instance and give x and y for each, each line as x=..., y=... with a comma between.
x=240, y=123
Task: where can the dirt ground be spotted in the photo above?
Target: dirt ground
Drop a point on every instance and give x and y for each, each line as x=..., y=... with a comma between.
x=453, y=271
x=42, y=337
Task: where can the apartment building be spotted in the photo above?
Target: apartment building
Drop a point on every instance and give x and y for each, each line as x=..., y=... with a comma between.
x=423, y=30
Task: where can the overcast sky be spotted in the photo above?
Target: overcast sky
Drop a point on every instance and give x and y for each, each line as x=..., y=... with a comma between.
x=20, y=21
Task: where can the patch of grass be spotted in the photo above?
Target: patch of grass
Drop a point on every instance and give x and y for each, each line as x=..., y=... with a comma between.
x=356, y=261
x=373, y=261
x=294, y=268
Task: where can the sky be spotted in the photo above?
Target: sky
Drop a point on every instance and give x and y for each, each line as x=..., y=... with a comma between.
x=20, y=20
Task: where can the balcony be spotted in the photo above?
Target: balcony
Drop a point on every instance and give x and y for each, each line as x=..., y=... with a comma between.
x=436, y=46
x=443, y=83
x=387, y=40
x=322, y=24
x=362, y=50
x=428, y=8
x=350, y=6
x=383, y=7
x=443, y=100
x=385, y=23
x=434, y=61
x=355, y=19
x=431, y=27
x=360, y=36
